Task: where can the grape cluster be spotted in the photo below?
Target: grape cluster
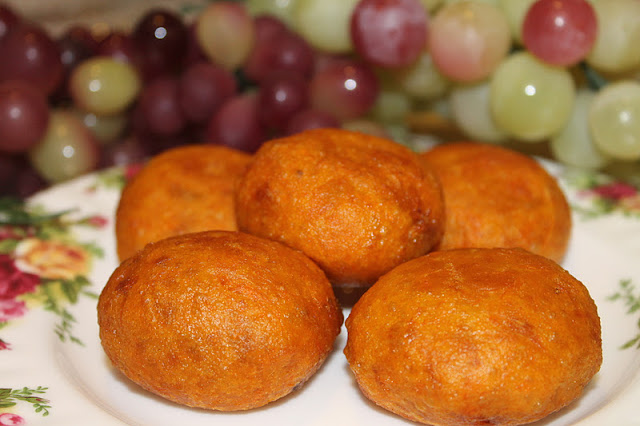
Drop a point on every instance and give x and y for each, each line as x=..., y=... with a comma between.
x=558, y=73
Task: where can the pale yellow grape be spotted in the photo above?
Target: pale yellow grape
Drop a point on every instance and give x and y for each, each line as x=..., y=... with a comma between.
x=529, y=99
x=104, y=86
x=281, y=9
x=226, y=33
x=516, y=10
x=422, y=80
x=107, y=129
x=471, y=112
x=325, y=24
x=67, y=150
x=573, y=145
x=616, y=48
x=614, y=119
x=391, y=106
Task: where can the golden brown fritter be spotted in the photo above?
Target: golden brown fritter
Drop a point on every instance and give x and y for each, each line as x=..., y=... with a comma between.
x=357, y=204
x=219, y=320
x=475, y=337
x=182, y=190
x=496, y=197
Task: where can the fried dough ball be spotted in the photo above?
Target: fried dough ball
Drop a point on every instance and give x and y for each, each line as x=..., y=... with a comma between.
x=219, y=320
x=182, y=190
x=475, y=336
x=496, y=197
x=357, y=204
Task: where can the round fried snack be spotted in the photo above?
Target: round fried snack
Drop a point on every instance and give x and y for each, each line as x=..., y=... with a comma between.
x=357, y=204
x=182, y=190
x=219, y=320
x=496, y=197
x=475, y=336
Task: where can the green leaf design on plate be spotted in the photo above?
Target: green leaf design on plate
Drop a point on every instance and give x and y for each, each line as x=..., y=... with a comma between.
x=626, y=294
x=10, y=397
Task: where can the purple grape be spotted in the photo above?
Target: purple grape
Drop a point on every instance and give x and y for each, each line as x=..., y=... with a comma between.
x=119, y=46
x=160, y=107
x=203, y=87
x=310, y=119
x=281, y=95
x=283, y=51
x=8, y=19
x=347, y=89
x=236, y=124
x=161, y=38
x=29, y=54
x=24, y=115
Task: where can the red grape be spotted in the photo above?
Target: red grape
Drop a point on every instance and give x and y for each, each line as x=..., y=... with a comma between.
x=267, y=26
x=161, y=40
x=310, y=119
x=119, y=46
x=203, y=87
x=283, y=51
x=160, y=106
x=128, y=151
x=24, y=115
x=236, y=124
x=35, y=58
x=345, y=88
x=8, y=19
x=281, y=95
x=389, y=33
x=560, y=32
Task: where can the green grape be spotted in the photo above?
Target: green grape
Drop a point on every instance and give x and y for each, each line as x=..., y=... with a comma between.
x=471, y=112
x=616, y=46
x=325, y=24
x=281, y=9
x=225, y=32
x=529, y=99
x=574, y=145
x=422, y=80
x=104, y=86
x=431, y=5
x=107, y=129
x=516, y=10
x=67, y=150
x=614, y=119
x=391, y=106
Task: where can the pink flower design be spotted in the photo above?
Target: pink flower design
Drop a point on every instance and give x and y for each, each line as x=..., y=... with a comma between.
x=97, y=221
x=615, y=190
x=14, y=282
x=10, y=309
x=131, y=170
x=10, y=419
x=4, y=345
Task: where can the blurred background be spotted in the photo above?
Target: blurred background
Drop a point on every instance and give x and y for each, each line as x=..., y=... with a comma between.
x=86, y=85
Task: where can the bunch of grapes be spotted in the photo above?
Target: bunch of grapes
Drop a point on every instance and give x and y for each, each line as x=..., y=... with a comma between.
x=562, y=74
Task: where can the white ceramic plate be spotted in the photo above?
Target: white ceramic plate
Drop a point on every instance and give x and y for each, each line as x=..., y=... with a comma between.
x=53, y=370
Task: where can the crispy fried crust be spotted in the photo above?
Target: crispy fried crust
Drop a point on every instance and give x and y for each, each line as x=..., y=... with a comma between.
x=185, y=189
x=496, y=197
x=475, y=336
x=356, y=204
x=219, y=320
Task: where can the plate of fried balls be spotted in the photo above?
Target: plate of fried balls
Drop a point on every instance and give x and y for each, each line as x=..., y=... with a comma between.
x=429, y=287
